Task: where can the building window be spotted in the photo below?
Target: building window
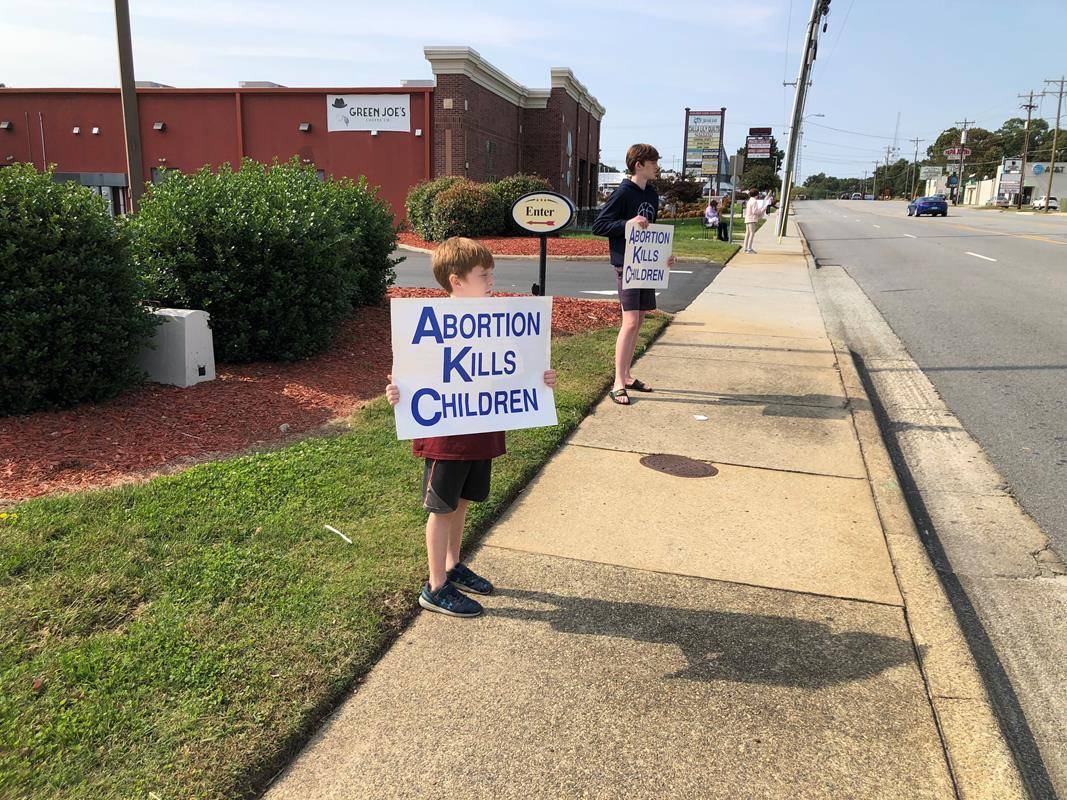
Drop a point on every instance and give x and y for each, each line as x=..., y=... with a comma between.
x=490, y=151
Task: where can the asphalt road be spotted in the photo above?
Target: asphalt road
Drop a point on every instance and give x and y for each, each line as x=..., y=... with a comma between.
x=591, y=280
x=979, y=299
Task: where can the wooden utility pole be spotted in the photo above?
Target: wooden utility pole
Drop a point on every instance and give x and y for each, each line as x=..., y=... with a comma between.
x=913, y=186
x=1055, y=136
x=130, y=118
x=963, y=143
x=1029, y=106
x=819, y=8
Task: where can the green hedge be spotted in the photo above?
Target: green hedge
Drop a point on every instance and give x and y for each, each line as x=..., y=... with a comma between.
x=71, y=321
x=511, y=189
x=275, y=255
x=419, y=204
x=467, y=209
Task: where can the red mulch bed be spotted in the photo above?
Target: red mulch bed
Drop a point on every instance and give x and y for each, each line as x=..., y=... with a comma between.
x=525, y=245
x=156, y=429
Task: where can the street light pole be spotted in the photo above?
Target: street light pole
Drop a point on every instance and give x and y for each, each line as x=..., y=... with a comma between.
x=128, y=91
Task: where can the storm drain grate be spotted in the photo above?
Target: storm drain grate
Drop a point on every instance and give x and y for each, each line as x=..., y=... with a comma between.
x=679, y=466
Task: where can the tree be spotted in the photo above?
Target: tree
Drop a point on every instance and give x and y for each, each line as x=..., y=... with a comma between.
x=760, y=177
x=679, y=189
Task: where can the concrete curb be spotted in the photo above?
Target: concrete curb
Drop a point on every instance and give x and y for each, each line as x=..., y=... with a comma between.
x=680, y=259
x=979, y=759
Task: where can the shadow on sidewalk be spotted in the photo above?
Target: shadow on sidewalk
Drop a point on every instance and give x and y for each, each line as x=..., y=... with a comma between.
x=722, y=645
x=806, y=406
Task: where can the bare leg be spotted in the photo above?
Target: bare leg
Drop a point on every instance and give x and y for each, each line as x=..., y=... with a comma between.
x=455, y=535
x=438, y=532
x=625, y=344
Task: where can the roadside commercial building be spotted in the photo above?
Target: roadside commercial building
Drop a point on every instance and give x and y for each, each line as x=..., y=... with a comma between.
x=1003, y=186
x=472, y=120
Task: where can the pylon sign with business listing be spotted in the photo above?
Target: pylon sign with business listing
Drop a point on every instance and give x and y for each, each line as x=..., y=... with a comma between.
x=758, y=143
x=703, y=141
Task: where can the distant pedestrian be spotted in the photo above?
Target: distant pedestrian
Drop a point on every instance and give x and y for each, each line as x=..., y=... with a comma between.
x=634, y=201
x=725, y=212
x=755, y=210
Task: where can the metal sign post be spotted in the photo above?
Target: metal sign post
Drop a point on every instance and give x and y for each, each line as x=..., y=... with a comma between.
x=542, y=213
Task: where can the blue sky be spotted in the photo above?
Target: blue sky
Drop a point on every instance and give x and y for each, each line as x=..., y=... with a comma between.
x=934, y=61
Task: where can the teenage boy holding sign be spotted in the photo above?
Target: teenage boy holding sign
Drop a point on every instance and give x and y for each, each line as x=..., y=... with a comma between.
x=458, y=468
x=637, y=201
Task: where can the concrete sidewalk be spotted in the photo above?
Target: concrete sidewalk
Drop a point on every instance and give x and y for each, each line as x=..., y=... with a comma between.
x=743, y=635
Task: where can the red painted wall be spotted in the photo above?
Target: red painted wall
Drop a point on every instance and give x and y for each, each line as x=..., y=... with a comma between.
x=212, y=126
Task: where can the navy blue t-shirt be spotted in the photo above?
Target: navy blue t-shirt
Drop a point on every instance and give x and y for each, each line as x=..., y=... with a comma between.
x=627, y=202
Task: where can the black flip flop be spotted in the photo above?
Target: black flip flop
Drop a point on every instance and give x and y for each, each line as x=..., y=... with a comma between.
x=615, y=394
x=638, y=386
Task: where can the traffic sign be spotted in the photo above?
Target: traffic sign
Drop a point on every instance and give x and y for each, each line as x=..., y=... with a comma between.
x=954, y=152
x=952, y=180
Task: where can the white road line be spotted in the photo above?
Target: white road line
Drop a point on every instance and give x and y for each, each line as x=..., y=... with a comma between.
x=911, y=236
x=602, y=291
x=681, y=272
x=878, y=226
x=979, y=255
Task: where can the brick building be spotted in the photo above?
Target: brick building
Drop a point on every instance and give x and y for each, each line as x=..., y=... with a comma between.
x=472, y=120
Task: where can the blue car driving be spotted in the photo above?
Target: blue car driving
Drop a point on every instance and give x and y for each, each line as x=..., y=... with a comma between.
x=928, y=205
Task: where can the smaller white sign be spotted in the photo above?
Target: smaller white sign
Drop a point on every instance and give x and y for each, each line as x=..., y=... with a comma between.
x=471, y=365
x=648, y=250
x=368, y=112
x=542, y=212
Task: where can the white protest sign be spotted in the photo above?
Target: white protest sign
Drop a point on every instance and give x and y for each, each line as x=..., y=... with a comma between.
x=368, y=112
x=644, y=264
x=471, y=365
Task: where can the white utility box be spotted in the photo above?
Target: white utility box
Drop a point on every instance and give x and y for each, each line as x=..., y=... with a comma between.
x=181, y=352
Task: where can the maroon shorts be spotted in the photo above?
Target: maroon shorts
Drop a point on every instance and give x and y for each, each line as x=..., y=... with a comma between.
x=635, y=299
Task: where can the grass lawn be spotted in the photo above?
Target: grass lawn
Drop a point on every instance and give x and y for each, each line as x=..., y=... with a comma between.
x=692, y=241
x=182, y=637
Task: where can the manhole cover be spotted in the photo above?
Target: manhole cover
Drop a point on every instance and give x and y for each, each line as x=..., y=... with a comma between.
x=679, y=466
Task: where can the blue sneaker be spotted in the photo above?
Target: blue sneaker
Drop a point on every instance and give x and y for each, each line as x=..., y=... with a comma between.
x=462, y=577
x=448, y=600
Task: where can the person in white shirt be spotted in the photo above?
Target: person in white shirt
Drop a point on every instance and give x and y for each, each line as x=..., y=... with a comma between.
x=755, y=210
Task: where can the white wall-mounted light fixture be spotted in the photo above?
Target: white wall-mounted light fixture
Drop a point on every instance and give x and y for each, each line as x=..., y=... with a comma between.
x=304, y=127
x=159, y=126
x=5, y=125
x=162, y=160
x=418, y=131
x=374, y=133
x=76, y=130
x=95, y=131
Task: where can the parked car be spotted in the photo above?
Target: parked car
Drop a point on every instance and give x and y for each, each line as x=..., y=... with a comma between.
x=845, y=196
x=857, y=196
x=1051, y=202
x=868, y=197
x=934, y=206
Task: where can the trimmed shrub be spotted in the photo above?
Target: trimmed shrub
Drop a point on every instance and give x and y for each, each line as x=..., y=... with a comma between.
x=512, y=188
x=276, y=256
x=467, y=209
x=368, y=236
x=419, y=204
x=71, y=322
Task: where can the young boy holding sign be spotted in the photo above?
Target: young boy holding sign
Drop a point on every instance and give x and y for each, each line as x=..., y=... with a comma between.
x=457, y=468
x=636, y=201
